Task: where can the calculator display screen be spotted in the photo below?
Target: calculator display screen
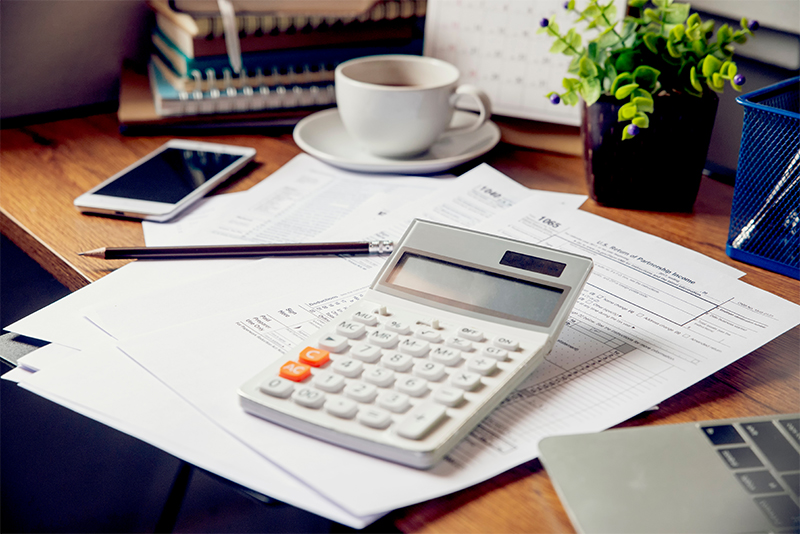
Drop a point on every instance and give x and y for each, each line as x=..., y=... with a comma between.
x=476, y=289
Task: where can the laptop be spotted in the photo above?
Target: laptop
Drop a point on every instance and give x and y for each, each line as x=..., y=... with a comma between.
x=728, y=475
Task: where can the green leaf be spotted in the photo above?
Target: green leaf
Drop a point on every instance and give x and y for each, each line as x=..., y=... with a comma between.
x=624, y=62
x=570, y=98
x=716, y=82
x=672, y=50
x=651, y=41
x=626, y=135
x=641, y=93
x=591, y=91
x=625, y=91
x=607, y=39
x=662, y=3
x=646, y=77
x=626, y=112
x=694, y=81
x=651, y=16
x=621, y=79
x=637, y=3
x=574, y=65
x=676, y=34
x=711, y=65
x=698, y=47
x=641, y=120
x=676, y=13
x=707, y=26
x=643, y=104
x=574, y=39
x=588, y=68
x=558, y=46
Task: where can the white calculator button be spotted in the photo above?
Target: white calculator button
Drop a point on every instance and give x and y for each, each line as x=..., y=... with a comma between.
x=397, y=361
x=429, y=370
x=394, y=401
x=341, y=407
x=347, y=367
x=351, y=329
x=506, y=343
x=333, y=343
x=397, y=326
x=421, y=420
x=379, y=376
x=429, y=334
x=367, y=318
x=471, y=334
x=459, y=343
x=465, y=380
x=309, y=397
x=361, y=392
x=414, y=347
x=384, y=339
x=412, y=385
x=498, y=354
x=448, y=396
x=449, y=357
x=374, y=417
x=365, y=353
x=332, y=383
x=482, y=365
x=277, y=387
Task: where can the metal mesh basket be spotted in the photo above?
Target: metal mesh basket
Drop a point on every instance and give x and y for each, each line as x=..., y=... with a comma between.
x=765, y=217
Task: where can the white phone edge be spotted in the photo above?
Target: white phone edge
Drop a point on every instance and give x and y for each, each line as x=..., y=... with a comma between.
x=89, y=202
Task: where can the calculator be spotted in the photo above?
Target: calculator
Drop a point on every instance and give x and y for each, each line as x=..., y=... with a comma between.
x=453, y=323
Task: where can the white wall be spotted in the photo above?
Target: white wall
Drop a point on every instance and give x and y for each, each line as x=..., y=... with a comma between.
x=58, y=54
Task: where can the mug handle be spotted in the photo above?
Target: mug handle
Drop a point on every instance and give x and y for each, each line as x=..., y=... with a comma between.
x=484, y=107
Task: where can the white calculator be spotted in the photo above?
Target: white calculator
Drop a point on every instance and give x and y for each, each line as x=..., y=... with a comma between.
x=453, y=323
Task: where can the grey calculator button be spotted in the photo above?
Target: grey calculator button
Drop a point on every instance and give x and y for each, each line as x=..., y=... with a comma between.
x=740, y=457
x=759, y=482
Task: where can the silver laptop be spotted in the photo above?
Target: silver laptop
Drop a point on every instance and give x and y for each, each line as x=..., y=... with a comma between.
x=728, y=475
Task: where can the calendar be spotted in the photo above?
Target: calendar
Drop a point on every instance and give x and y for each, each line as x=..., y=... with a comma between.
x=495, y=45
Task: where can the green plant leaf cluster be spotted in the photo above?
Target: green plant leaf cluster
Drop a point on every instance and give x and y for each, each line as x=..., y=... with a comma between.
x=659, y=46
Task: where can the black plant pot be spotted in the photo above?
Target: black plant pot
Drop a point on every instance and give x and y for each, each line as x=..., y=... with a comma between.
x=659, y=169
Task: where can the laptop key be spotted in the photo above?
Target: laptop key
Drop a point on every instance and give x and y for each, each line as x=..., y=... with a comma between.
x=792, y=426
x=759, y=482
x=780, y=509
x=740, y=457
x=723, y=434
x=771, y=442
x=793, y=481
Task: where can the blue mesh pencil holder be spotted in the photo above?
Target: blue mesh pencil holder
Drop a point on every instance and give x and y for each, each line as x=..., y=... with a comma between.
x=765, y=216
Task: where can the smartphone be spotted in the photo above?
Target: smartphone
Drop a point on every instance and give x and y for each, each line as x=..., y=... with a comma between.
x=166, y=181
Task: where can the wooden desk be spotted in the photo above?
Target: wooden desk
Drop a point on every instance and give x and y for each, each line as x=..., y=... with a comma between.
x=44, y=167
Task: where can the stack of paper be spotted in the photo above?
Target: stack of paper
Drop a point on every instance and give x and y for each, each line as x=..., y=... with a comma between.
x=159, y=349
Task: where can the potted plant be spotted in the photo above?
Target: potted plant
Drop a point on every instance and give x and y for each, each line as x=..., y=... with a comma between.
x=649, y=85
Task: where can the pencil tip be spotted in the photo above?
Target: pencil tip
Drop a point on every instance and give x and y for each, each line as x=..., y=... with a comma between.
x=96, y=253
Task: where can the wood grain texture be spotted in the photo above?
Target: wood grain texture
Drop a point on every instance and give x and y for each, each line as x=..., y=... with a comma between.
x=44, y=167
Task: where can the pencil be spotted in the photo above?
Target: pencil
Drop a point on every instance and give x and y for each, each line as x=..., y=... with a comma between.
x=239, y=251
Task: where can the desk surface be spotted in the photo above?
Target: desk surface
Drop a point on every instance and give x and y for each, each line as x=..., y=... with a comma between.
x=44, y=167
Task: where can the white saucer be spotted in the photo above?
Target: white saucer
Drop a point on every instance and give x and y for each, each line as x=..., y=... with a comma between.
x=323, y=136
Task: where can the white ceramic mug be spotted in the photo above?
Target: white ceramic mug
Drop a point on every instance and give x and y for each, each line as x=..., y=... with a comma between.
x=398, y=106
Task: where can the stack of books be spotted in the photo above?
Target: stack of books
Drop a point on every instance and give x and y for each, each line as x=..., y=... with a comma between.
x=274, y=66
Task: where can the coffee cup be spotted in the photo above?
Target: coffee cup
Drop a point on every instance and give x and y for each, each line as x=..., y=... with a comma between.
x=398, y=106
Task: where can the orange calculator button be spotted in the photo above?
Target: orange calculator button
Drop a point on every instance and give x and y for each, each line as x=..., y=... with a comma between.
x=295, y=371
x=315, y=357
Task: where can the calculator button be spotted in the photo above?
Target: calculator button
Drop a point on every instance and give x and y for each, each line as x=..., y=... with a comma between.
x=414, y=347
x=330, y=382
x=348, y=367
x=367, y=318
x=429, y=370
x=397, y=361
x=429, y=334
x=309, y=397
x=421, y=420
x=471, y=334
x=341, y=407
x=506, y=343
x=397, y=326
x=394, y=401
x=482, y=365
x=365, y=353
x=294, y=371
x=333, y=343
x=498, y=354
x=277, y=387
x=314, y=357
x=448, y=396
x=412, y=385
x=379, y=376
x=351, y=329
x=361, y=392
x=465, y=380
x=374, y=417
x=449, y=357
x=459, y=343
x=384, y=339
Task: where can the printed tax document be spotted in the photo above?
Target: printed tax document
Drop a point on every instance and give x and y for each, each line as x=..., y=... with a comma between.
x=615, y=359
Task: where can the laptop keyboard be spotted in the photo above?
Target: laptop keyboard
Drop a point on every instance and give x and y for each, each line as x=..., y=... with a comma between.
x=764, y=456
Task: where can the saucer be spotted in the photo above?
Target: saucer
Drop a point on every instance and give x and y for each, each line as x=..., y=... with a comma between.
x=323, y=136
